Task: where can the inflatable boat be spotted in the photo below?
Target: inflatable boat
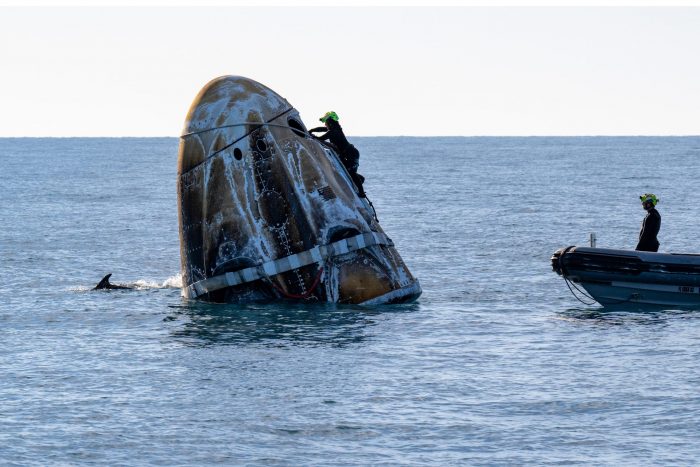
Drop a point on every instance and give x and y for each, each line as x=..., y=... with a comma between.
x=616, y=277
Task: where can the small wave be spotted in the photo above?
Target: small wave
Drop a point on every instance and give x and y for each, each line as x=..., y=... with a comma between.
x=172, y=282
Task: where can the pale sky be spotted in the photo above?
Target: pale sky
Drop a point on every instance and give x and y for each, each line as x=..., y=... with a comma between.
x=423, y=71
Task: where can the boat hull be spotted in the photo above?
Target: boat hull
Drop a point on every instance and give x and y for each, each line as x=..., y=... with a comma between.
x=616, y=277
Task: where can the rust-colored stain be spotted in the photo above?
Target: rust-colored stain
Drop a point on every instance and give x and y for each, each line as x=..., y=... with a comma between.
x=191, y=154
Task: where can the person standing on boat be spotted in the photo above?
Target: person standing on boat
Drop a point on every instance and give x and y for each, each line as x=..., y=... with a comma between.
x=650, y=225
x=349, y=155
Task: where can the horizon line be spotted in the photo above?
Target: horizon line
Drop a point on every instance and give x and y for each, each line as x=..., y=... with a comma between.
x=395, y=136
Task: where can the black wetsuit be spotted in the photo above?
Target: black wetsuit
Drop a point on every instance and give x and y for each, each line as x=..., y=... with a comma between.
x=349, y=155
x=650, y=229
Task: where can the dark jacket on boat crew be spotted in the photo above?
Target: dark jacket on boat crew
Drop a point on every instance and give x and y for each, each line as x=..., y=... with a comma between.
x=349, y=155
x=650, y=229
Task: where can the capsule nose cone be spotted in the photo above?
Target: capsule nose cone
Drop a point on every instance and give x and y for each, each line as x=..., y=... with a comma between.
x=230, y=103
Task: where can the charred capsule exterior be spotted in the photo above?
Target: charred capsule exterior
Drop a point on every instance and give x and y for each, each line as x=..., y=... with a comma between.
x=267, y=212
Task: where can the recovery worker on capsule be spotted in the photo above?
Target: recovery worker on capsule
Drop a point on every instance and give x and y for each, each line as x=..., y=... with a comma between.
x=349, y=155
x=650, y=225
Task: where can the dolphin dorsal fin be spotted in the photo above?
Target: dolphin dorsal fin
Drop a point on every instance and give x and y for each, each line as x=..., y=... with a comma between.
x=104, y=283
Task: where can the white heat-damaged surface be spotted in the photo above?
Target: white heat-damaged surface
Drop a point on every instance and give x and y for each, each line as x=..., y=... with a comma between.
x=254, y=188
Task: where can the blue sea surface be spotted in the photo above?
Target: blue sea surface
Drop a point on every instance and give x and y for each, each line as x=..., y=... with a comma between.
x=496, y=364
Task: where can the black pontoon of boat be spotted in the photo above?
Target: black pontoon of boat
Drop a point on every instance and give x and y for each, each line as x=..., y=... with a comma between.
x=615, y=277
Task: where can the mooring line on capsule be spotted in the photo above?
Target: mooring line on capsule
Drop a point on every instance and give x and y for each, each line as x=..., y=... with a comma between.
x=240, y=124
x=258, y=126
x=233, y=125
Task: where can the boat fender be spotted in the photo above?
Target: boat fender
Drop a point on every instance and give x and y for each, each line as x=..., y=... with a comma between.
x=560, y=262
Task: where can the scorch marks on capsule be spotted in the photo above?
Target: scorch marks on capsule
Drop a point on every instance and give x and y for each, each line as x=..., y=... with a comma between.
x=255, y=188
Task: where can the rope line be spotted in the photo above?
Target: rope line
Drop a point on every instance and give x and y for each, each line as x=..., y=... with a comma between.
x=186, y=135
x=569, y=284
x=300, y=296
x=257, y=127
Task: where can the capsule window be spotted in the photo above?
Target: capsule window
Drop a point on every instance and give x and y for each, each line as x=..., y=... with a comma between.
x=238, y=154
x=340, y=233
x=296, y=127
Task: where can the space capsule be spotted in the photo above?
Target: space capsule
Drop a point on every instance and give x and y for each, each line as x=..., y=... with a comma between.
x=268, y=212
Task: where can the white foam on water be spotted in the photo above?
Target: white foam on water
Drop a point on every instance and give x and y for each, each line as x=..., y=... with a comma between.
x=172, y=282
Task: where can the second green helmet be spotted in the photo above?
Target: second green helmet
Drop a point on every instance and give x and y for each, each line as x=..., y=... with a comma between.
x=649, y=197
x=332, y=115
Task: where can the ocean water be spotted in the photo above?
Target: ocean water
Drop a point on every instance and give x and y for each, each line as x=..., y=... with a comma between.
x=496, y=364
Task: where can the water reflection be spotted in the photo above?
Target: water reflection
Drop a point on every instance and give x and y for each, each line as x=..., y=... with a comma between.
x=277, y=324
x=620, y=316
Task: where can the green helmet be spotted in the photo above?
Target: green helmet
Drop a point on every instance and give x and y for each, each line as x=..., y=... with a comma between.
x=332, y=115
x=651, y=197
